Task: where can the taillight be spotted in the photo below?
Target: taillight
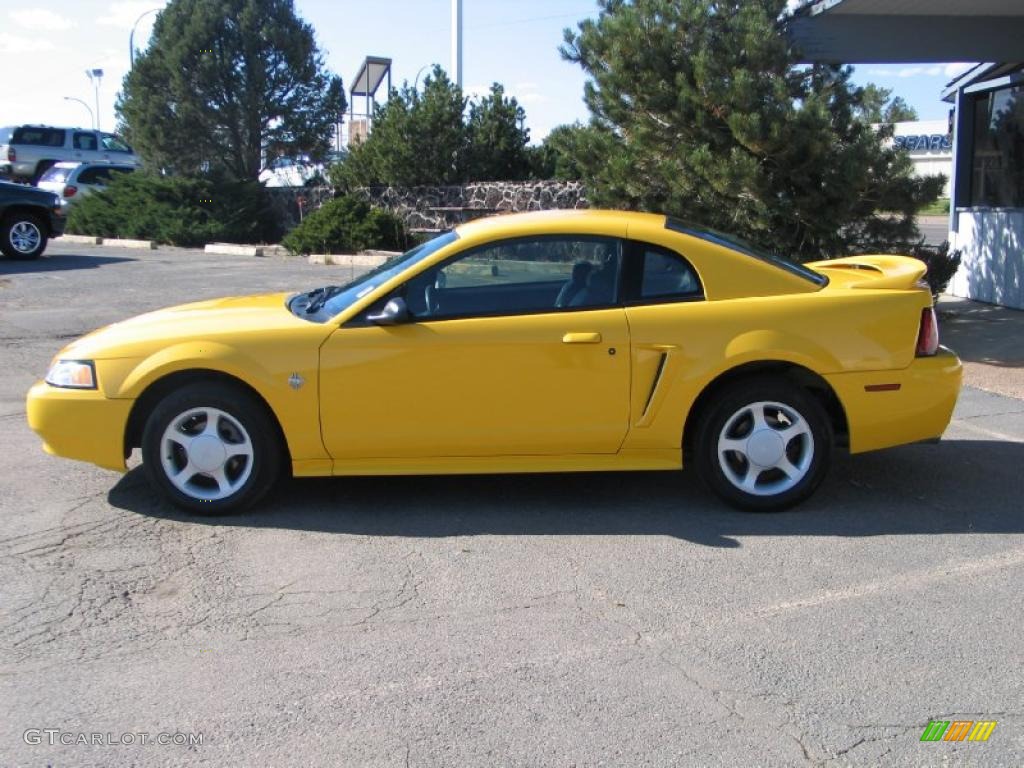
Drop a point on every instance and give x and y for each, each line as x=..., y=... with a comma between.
x=69, y=190
x=928, y=335
x=11, y=155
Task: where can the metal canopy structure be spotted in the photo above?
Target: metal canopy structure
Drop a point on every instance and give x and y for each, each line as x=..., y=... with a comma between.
x=904, y=31
x=372, y=73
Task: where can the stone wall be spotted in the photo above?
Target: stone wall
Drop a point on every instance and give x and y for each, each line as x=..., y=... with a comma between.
x=443, y=207
x=440, y=208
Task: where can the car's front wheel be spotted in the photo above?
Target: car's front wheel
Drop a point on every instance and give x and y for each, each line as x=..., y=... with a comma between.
x=22, y=236
x=764, y=445
x=211, y=448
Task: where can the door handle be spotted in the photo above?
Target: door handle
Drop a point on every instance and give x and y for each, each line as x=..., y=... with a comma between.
x=581, y=338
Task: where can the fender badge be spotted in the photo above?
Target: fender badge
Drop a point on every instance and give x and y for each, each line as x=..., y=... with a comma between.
x=295, y=381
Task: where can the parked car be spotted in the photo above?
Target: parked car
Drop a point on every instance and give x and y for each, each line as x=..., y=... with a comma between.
x=544, y=342
x=73, y=181
x=27, y=151
x=29, y=217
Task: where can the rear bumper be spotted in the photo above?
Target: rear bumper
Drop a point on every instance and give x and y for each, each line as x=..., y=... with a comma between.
x=79, y=424
x=919, y=410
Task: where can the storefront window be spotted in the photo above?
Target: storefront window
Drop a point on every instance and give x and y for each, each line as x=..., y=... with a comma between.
x=997, y=173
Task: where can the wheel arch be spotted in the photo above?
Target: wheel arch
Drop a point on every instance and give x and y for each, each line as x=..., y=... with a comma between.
x=32, y=210
x=798, y=375
x=158, y=389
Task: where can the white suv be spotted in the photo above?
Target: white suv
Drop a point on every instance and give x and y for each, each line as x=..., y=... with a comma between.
x=27, y=151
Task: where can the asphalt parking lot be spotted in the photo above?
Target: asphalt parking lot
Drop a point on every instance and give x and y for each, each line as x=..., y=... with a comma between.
x=609, y=619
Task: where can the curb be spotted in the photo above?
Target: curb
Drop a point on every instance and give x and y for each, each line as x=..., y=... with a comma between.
x=83, y=239
x=231, y=249
x=119, y=243
x=347, y=260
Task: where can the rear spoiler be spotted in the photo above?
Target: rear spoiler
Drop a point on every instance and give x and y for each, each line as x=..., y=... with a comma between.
x=880, y=271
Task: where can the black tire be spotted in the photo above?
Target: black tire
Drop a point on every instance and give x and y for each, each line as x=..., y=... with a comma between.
x=241, y=410
x=13, y=230
x=782, y=405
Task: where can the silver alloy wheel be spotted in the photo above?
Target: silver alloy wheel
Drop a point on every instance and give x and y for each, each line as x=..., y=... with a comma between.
x=25, y=236
x=765, y=448
x=206, y=453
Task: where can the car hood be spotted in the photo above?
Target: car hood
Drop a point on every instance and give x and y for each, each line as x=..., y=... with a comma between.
x=228, y=320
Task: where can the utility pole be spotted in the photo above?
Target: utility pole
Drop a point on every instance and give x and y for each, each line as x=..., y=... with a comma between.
x=96, y=75
x=457, y=42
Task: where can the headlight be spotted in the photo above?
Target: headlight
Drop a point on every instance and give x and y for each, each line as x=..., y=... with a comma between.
x=73, y=374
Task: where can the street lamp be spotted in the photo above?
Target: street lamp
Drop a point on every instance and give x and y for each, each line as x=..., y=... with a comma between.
x=96, y=75
x=92, y=117
x=416, y=84
x=131, y=36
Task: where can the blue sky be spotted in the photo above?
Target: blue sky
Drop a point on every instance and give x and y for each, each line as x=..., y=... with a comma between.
x=44, y=52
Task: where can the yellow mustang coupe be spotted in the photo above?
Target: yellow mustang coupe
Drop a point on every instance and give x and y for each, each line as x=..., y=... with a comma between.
x=558, y=341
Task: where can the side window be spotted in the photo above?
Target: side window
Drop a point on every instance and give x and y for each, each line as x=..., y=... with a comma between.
x=85, y=141
x=92, y=176
x=526, y=275
x=666, y=275
x=113, y=144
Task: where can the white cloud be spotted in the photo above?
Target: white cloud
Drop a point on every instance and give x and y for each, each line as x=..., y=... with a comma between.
x=22, y=44
x=125, y=14
x=40, y=19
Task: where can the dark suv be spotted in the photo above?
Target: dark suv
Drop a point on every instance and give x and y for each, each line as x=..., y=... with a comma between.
x=29, y=217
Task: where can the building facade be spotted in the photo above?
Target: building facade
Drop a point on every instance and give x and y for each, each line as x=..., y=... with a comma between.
x=930, y=147
x=987, y=204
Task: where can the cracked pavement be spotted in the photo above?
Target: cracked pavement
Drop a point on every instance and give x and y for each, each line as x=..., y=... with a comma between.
x=616, y=619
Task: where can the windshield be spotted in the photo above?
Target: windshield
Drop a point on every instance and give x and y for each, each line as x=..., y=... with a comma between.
x=324, y=303
x=739, y=245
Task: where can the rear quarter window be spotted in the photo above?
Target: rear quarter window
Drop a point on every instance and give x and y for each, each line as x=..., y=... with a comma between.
x=40, y=137
x=5, y=135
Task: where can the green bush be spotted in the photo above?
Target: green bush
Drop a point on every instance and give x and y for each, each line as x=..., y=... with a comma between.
x=346, y=225
x=185, y=211
x=942, y=264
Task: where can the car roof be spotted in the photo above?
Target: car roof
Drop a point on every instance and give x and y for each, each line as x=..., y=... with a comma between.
x=67, y=164
x=581, y=219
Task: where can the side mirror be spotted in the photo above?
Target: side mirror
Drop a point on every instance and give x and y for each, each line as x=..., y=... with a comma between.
x=393, y=313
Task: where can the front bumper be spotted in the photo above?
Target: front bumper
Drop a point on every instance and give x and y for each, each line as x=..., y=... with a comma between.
x=79, y=424
x=920, y=409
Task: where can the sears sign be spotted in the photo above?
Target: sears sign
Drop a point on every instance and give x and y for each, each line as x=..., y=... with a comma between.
x=935, y=142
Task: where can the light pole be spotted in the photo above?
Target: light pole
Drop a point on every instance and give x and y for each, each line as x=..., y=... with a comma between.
x=131, y=36
x=416, y=84
x=457, y=41
x=96, y=75
x=92, y=117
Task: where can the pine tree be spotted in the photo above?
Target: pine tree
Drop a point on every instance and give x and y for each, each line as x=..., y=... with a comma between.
x=706, y=113
x=497, y=139
x=228, y=85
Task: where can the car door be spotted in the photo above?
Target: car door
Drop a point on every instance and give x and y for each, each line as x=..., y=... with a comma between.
x=495, y=359
x=85, y=146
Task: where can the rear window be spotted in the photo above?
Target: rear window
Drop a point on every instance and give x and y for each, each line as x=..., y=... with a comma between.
x=747, y=249
x=38, y=136
x=56, y=175
x=5, y=135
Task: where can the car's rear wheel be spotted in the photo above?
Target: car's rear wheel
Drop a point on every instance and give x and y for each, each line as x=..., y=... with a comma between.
x=22, y=236
x=764, y=445
x=211, y=448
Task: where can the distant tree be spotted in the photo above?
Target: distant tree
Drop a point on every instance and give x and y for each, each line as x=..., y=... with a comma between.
x=879, y=106
x=497, y=139
x=705, y=112
x=417, y=138
x=230, y=85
